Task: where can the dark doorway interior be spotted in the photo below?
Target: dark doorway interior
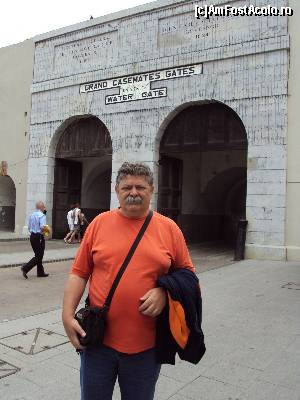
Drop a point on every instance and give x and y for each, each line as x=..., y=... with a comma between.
x=67, y=190
x=7, y=203
x=203, y=172
x=82, y=171
x=170, y=187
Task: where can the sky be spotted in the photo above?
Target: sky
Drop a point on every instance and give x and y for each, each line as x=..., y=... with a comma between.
x=22, y=19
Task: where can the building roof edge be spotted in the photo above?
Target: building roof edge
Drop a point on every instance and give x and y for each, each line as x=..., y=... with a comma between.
x=129, y=12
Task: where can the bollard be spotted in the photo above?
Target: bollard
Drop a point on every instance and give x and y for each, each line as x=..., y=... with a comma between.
x=239, y=253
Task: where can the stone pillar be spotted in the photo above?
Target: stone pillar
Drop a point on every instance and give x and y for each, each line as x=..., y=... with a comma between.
x=40, y=186
x=133, y=140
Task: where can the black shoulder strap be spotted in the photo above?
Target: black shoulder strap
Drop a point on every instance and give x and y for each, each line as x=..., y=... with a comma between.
x=127, y=260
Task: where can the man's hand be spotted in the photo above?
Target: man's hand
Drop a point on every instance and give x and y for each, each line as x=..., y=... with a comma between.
x=74, y=289
x=73, y=329
x=154, y=302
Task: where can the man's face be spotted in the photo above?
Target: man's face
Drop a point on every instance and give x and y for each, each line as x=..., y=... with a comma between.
x=134, y=194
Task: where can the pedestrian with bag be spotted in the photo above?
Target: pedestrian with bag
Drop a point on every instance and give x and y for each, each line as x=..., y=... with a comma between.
x=38, y=228
x=83, y=224
x=123, y=254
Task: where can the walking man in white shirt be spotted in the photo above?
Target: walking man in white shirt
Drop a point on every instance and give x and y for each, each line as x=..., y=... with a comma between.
x=76, y=231
x=70, y=219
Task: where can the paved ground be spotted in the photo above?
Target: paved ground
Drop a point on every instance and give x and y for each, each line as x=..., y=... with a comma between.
x=16, y=253
x=7, y=235
x=41, y=295
x=22, y=246
x=32, y=296
x=251, y=323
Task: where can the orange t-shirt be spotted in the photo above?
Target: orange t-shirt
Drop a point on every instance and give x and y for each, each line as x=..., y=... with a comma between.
x=102, y=251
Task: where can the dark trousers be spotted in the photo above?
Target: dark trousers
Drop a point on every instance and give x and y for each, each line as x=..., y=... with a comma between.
x=37, y=242
x=100, y=367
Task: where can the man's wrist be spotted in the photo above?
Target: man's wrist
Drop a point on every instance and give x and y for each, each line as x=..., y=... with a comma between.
x=163, y=290
x=67, y=316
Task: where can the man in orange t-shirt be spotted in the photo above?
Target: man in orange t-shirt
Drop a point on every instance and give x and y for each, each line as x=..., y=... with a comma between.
x=128, y=349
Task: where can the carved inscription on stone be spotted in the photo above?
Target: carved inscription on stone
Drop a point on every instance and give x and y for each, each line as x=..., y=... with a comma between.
x=185, y=31
x=91, y=51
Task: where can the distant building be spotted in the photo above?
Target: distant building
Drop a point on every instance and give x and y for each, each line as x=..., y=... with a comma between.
x=210, y=105
x=16, y=72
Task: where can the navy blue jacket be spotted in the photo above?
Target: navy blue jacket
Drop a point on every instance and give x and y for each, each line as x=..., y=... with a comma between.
x=183, y=286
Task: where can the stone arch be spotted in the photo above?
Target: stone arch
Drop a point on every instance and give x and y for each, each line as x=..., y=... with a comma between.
x=171, y=114
x=66, y=125
x=208, y=139
x=7, y=203
x=80, y=145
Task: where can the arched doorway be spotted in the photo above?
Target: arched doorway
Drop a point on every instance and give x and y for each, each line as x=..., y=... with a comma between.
x=7, y=203
x=203, y=172
x=83, y=159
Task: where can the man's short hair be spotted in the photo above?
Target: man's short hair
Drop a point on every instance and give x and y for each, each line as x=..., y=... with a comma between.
x=134, y=169
x=39, y=204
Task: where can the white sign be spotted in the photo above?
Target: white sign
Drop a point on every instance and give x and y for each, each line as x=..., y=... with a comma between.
x=138, y=87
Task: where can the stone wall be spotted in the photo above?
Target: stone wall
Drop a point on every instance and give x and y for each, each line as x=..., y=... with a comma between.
x=245, y=66
x=293, y=146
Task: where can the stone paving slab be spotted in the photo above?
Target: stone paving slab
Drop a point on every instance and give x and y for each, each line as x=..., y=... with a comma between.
x=7, y=369
x=17, y=253
x=252, y=328
x=205, y=256
x=34, y=295
x=33, y=341
x=12, y=247
x=51, y=255
x=6, y=236
x=268, y=391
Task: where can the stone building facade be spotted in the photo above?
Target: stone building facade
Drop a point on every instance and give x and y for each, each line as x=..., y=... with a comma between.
x=15, y=104
x=203, y=102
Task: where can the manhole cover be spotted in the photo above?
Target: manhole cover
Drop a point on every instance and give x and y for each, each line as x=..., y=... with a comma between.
x=34, y=341
x=7, y=369
x=291, y=285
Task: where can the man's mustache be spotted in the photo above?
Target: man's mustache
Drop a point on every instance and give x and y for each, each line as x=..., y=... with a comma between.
x=133, y=200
